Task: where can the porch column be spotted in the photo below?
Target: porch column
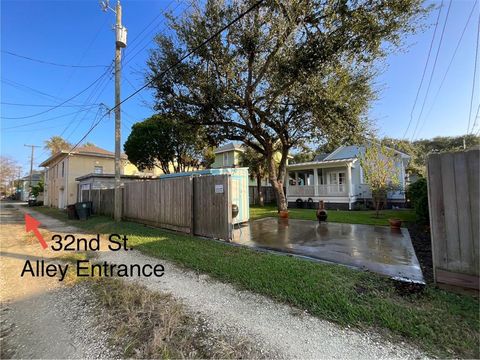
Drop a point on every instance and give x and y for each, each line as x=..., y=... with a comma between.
x=315, y=182
x=349, y=183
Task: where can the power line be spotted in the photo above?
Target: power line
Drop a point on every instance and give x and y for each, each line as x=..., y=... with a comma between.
x=90, y=44
x=26, y=88
x=151, y=22
x=62, y=103
x=451, y=61
x=51, y=63
x=46, y=120
x=424, y=69
x=95, y=92
x=188, y=54
x=433, y=69
x=126, y=61
x=41, y=105
x=474, y=77
x=476, y=119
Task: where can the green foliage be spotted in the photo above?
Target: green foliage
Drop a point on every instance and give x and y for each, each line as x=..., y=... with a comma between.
x=379, y=164
x=257, y=168
x=420, y=149
x=417, y=193
x=56, y=144
x=302, y=157
x=255, y=162
x=285, y=74
x=37, y=189
x=169, y=142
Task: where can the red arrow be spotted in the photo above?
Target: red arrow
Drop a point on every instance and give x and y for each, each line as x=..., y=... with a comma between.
x=31, y=224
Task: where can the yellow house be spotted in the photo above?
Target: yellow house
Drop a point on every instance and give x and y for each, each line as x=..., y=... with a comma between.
x=130, y=169
x=228, y=155
x=62, y=168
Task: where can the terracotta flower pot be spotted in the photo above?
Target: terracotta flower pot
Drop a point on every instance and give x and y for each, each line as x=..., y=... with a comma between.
x=395, y=223
x=283, y=214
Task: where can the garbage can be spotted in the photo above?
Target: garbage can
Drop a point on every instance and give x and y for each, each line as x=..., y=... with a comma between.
x=83, y=210
x=90, y=207
x=71, y=212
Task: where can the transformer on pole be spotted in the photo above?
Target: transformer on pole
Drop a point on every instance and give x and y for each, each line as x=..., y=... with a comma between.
x=120, y=42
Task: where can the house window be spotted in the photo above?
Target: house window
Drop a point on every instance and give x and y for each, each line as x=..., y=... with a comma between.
x=321, y=179
x=98, y=170
x=333, y=178
x=291, y=179
x=225, y=159
x=63, y=168
x=341, y=181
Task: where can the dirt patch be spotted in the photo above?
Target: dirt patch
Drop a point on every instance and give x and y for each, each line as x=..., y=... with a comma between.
x=420, y=235
x=148, y=324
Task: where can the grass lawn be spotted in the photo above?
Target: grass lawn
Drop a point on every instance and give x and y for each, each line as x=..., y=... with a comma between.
x=340, y=216
x=442, y=323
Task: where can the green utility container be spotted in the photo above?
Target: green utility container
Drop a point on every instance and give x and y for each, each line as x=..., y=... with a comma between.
x=239, y=188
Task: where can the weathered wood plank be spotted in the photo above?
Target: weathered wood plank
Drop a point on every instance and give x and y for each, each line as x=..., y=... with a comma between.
x=464, y=213
x=450, y=208
x=453, y=191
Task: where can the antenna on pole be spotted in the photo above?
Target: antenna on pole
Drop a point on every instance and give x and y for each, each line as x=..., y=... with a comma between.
x=105, y=5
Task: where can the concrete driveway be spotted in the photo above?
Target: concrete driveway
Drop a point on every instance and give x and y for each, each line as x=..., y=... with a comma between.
x=375, y=248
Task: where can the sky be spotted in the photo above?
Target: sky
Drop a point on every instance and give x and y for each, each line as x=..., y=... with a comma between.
x=79, y=33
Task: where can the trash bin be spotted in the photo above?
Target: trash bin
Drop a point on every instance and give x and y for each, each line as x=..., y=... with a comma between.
x=71, y=212
x=90, y=207
x=299, y=203
x=83, y=210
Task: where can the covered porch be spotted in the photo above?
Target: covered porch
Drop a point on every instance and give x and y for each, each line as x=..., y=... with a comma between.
x=334, y=181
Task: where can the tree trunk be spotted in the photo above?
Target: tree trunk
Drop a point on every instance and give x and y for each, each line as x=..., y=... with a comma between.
x=259, y=190
x=277, y=184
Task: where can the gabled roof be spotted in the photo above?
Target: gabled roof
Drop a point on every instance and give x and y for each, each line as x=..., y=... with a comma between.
x=323, y=162
x=350, y=151
x=320, y=157
x=92, y=149
x=229, y=147
x=87, y=150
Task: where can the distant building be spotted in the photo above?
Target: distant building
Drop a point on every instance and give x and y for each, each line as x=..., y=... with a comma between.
x=62, y=169
x=24, y=186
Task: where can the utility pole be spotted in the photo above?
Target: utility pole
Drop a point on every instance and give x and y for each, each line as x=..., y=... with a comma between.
x=31, y=163
x=120, y=42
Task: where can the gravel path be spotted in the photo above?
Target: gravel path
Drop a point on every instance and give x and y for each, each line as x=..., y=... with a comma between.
x=275, y=327
x=40, y=317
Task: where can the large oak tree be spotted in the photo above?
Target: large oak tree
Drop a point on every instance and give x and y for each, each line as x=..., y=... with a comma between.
x=287, y=73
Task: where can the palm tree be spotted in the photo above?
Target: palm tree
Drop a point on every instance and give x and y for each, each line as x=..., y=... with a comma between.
x=257, y=169
x=56, y=144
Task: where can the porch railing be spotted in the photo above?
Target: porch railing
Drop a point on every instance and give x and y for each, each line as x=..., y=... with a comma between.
x=318, y=190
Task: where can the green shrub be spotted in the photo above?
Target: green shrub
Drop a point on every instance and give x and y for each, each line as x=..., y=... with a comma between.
x=418, y=195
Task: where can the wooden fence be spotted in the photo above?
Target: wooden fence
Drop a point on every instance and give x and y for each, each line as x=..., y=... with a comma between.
x=164, y=203
x=212, y=206
x=453, y=193
x=268, y=195
x=102, y=200
x=195, y=205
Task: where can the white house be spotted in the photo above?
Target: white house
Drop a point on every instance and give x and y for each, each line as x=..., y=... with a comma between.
x=337, y=179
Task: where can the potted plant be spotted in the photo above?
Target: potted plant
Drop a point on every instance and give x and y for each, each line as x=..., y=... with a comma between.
x=395, y=223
